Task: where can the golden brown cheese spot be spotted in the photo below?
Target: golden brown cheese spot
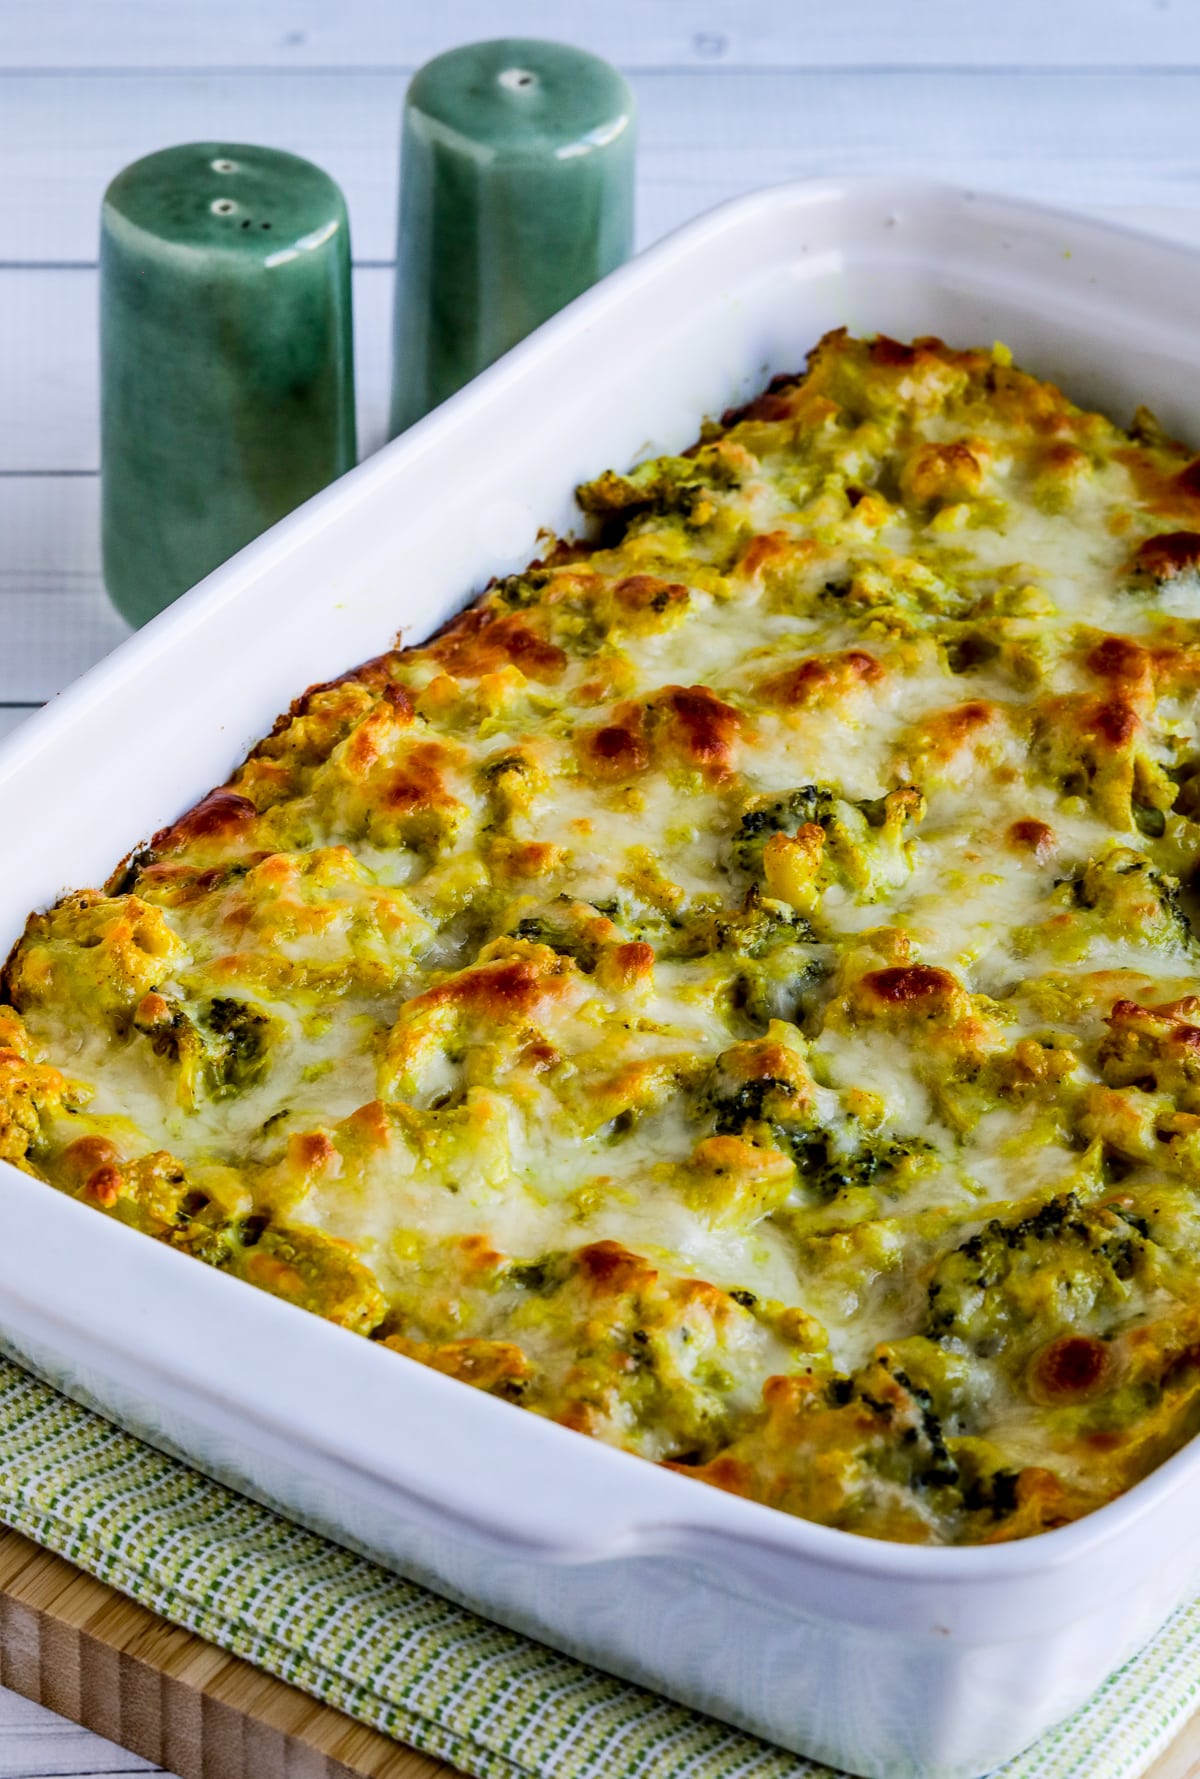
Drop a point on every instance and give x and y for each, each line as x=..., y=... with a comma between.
x=1154, y=1048
x=922, y=376
x=928, y=1005
x=908, y=992
x=627, y=1093
x=373, y=739
x=946, y=473
x=734, y=1183
x=313, y=1152
x=222, y=816
x=104, y=1186
x=583, y=607
x=1032, y=836
x=152, y=1192
x=776, y=1060
x=610, y=1269
x=811, y=1456
x=1094, y=745
x=1112, y=721
x=950, y=729
x=689, y=724
x=1120, y=658
x=700, y=727
x=96, y=953
x=948, y=742
x=499, y=1367
x=509, y=989
x=522, y=861
x=30, y=1093
x=822, y=680
x=1069, y=1369
x=625, y=966
x=315, y=724
x=1165, y=487
x=486, y=1011
x=84, y=1158
x=417, y=788
x=1175, y=661
x=649, y=1352
x=1166, y=557
x=894, y=354
x=1063, y=462
x=770, y=551
x=317, y=1272
x=152, y=1009
x=617, y=750
x=646, y=594
x=481, y=640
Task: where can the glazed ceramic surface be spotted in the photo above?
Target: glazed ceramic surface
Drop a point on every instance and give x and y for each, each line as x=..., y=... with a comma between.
x=516, y=194
x=889, y=1660
x=227, y=371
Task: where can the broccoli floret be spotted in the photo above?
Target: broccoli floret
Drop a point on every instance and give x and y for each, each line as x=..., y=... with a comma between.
x=521, y=590
x=827, y=1169
x=865, y=848
x=679, y=485
x=780, y=815
x=244, y=1032
x=1129, y=898
x=1013, y=1285
x=758, y=927
x=763, y=1091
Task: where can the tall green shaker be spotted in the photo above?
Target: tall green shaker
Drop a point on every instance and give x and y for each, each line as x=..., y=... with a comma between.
x=227, y=370
x=516, y=194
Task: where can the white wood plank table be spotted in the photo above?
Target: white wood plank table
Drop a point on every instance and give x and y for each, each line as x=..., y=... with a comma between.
x=1087, y=103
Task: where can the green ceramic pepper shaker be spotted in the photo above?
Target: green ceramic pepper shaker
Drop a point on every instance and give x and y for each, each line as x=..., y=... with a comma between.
x=227, y=375
x=516, y=194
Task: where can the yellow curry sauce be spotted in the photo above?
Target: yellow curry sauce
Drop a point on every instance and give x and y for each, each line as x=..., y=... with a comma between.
x=733, y=991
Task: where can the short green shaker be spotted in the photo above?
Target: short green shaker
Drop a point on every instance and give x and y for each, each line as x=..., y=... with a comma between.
x=227, y=369
x=516, y=194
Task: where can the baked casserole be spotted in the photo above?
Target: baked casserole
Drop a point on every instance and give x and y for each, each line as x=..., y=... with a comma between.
x=733, y=991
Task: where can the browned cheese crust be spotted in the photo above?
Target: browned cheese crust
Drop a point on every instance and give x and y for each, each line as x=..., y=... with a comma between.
x=734, y=990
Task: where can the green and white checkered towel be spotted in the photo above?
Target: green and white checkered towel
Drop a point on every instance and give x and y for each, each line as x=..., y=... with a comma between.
x=417, y=1667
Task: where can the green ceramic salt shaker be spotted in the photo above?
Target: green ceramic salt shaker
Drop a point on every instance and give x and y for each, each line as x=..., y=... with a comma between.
x=516, y=194
x=227, y=374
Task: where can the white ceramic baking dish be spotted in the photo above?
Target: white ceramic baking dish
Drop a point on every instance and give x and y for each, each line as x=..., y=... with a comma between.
x=888, y=1660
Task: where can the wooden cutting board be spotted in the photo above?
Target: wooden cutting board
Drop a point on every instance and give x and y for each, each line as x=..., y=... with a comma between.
x=84, y=1650
x=70, y=1642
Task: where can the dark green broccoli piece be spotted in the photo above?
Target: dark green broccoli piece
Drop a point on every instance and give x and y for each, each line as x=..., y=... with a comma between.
x=827, y=1169
x=758, y=927
x=1016, y=1284
x=780, y=815
x=680, y=485
x=1130, y=898
x=244, y=1033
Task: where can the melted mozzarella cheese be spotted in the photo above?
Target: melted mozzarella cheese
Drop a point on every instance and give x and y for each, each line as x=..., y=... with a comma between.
x=731, y=990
